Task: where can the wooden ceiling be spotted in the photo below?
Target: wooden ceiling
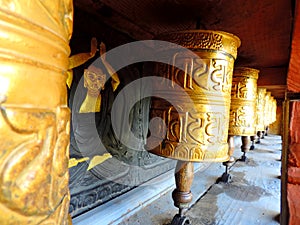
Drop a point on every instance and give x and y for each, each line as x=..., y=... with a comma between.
x=264, y=27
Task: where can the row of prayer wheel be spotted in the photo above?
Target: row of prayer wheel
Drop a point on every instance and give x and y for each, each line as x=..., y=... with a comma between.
x=219, y=101
x=224, y=100
x=266, y=109
x=35, y=127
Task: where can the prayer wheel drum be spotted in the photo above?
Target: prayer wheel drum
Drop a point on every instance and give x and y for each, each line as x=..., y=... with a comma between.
x=243, y=102
x=196, y=123
x=261, y=92
x=274, y=108
x=34, y=117
x=267, y=109
x=271, y=110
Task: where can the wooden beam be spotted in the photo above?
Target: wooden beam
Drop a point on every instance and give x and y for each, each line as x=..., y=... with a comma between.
x=272, y=76
x=110, y=17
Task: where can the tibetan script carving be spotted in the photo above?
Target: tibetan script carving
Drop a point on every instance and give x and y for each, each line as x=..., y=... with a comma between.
x=243, y=102
x=197, y=92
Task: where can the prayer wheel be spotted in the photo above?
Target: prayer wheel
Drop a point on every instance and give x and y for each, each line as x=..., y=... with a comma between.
x=243, y=102
x=242, y=110
x=259, y=117
x=34, y=118
x=197, y=120
x=261, y=92
x=260, y=127
x=242, y=120
x=274, y=108
x=270, y=114
x=267, y=113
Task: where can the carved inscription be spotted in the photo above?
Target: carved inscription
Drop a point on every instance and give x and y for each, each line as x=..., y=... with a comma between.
x=243, y=102
x=260, y=109
x=208, y=74
x=188, y=133
x=198, y=130
x=244, y=88
x=239, y=117
x=242, y=118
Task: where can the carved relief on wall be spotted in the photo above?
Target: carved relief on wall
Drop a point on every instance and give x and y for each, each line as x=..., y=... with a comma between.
x=125, y=168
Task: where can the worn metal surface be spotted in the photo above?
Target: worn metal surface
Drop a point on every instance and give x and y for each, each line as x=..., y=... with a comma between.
x=261, y=92
x=197, y=123
x=242, y=120
x=34, y=117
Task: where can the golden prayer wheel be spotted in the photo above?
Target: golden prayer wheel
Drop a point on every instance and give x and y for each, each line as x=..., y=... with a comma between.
x=267, y=113
x=267, y=109
x=242, y=116
x=195, y=115
x=271, y=113
x=274, y=108
x=261, y=92
x=243, y=102
x=271, y=109
x=196, y=130
x=34, y=119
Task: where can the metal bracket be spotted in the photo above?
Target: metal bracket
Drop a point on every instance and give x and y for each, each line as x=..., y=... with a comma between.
x=180, y=220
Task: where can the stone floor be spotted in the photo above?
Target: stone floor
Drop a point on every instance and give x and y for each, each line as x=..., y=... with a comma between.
x=252, y=197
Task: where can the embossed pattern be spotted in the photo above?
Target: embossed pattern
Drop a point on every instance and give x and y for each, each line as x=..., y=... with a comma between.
x=204, y=39
x=267, y=110
x=261, y=92
x=196, y=130
x=34, y=118
x=34, y=175
x=243, y=102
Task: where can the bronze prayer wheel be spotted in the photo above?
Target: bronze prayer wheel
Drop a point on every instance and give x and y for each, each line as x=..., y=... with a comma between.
x=261, y=92
x=243, y=102
x=197, y=130
x=34, y=117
